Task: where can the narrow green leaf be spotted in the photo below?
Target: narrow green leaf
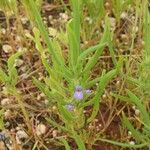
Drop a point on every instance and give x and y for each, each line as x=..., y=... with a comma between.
x=126, y=145
x=42, y=29
x=144, y=114
x=104, y=80
x=64, y=141
x=55, y=124
x=78, y=141
x=65, y=114
x=137, y=135
x=3, y=77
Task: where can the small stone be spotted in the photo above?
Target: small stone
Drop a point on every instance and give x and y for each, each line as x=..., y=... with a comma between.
x=23, y=68
x=133, y=107
x=137, y=112
x=18, y=38
x=54, y=108
x=3, y=31
x=50, y=17
x=20, y=135
x=40, y=129
x=91, y=127
x=107, y=5
x=38, y=97
x=7, y=48
x=124, y=37
x=64, y=17
x=42, y=95
x=118, y=82
x=54, y=133
x=104, y=96
x=24, y=20
x=7, y=114
x=123, y=15
x=46, y=101
x=132, y=142
x=5, y=101
x=18, y=62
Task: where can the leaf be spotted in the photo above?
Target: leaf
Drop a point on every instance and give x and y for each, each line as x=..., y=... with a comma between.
x=126, y=145
x=65, y=114
x=3, y=77
x=101, y=87
x=93, y=60
x=43, y=88
x=73, y=48
x=12, y=71
x=64, y=141
x=144, y=114
x=78, y=141
x=84, y=54
x=55, y=124
x=76, y=6
x=137, y=135
x=2, y=119
x=43, y=31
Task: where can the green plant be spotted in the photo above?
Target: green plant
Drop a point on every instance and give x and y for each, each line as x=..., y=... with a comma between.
x=140, y=99
x=68, y=83
x=9, y=80
x=9, y=7
x=119, y=6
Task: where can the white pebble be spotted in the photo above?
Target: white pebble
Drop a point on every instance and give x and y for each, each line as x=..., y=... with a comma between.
x=54, y=108
x=132, y=142
x=38, y=97
x=137, y=112
x=54, y=133
x=18, y=62
x=40, y=129
x=3, y=31
x=42, y=95
x=5, y=101
x=24, y=20
x=46, y=101
x=18, y=38
x=21, y=134
x=123, y=15
x=7, y=48
x=7, y=114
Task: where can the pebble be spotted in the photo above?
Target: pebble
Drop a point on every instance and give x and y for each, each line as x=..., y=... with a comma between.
x=137, y=112
x=54, y=133
x=46, y=101
x=40, y=129
x=132, y=142
x=123, y=15
x=5, y=101
x=3, y=31
x=20, y=135
x=18, y=62
x=7, y=114
x=7, y=48
x=24, y=20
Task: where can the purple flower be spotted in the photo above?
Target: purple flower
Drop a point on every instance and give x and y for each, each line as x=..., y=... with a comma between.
x=78, y=94
x=70, y=107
